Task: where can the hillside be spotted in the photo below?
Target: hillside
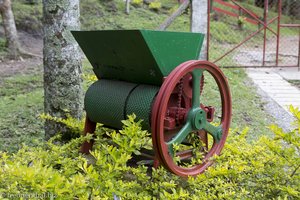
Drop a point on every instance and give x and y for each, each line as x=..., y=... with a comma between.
x=108, y=14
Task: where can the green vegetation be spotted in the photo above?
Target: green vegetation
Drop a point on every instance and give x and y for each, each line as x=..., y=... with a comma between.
x=3, y=50
x=111, y=15
x=21, y=103
x=295, y=83
x=28, y=17
x=19, y=119
x=155, y=5
x=263, y=169
x=21, y=84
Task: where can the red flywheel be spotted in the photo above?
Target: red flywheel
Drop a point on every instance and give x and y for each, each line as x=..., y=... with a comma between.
x=174, y=140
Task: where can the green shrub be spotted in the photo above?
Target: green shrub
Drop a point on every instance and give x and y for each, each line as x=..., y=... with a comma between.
x=137, y=3
x=155, y=5
x=268, y=168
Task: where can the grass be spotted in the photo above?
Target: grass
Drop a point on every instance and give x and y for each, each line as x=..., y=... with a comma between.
x=295, y=83
x=21, y=96
x=19, y=119
x=247, y=106
x=227, y=26
x=21, y=103
x=111, y=15
x=28, y=17
x=21, y=84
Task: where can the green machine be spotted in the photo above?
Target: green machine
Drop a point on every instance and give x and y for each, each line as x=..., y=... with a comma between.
x=154, y=75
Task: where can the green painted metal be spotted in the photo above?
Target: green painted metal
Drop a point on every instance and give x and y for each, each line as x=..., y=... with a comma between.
x=140, y=56
x=110, y=101
x=105, y=101
x=173, y=48
x=196, y=119
x=140, y=102
x=197, y=74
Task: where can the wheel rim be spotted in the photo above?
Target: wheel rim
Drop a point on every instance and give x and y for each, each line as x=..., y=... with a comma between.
x=195, y=121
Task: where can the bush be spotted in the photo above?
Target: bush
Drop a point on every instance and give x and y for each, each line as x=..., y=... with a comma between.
x=264, y=169
x=155, y=5
x=137, y=3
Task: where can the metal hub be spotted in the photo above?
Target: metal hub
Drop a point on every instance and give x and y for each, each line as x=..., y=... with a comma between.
x=199, y=118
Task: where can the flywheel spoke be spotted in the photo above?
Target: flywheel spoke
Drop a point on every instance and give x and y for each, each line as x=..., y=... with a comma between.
x=214, y=131
x=197, y=74
x=180, y=136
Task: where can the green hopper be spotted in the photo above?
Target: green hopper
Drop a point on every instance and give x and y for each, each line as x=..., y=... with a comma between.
x=139, y=56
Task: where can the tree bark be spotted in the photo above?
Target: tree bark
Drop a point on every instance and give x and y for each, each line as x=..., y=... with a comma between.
x=174, y=15
x=12, y=41
x=62, y=63
x=127, y=7
x=199, y=23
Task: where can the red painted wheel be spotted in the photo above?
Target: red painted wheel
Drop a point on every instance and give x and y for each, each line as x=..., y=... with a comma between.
x=178, y=141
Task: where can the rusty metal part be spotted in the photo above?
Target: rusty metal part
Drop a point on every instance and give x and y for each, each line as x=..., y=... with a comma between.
x=89, y=127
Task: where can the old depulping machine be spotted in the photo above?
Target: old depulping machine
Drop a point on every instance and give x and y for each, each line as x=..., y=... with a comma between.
x=157, y=76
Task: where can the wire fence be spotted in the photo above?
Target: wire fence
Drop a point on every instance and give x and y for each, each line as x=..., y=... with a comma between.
x=254, y=33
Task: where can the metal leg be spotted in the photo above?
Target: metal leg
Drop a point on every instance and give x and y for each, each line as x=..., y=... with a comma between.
x=204, y=139
x=89, y=127
x=156, y=163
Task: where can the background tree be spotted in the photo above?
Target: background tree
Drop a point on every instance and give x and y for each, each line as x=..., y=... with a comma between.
x=10, y=30
x=127, y=9
x=62, y=63
x=199, y=22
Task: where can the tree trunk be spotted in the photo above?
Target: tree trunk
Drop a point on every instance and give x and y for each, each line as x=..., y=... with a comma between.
x=127, y=7
x=62, y=63
x=10, y=29
x=199, y=22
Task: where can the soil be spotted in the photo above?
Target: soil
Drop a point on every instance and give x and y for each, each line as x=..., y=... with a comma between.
x=29, y=44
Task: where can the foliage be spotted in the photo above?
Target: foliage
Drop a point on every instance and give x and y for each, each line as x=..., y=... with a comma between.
x=155, y=5
x=3, y=48
x=295, y=83
x=264, y=169
x=2, y=45
x=137, y=2
x=241, y=22
x=28, y=17
x=20, y=104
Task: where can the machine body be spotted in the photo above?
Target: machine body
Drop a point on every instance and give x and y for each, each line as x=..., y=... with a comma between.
x=157, y=76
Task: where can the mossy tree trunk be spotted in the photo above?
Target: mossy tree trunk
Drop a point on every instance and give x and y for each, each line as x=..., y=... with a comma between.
x=199, y=22
x=62, y=63
x=12, y=41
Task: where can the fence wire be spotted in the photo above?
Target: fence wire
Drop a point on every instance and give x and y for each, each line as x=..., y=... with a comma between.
x=238, y=37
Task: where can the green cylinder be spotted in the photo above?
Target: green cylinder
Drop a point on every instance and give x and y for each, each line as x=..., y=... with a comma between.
x=140, y=103
x=105, y=101
x=110, y=101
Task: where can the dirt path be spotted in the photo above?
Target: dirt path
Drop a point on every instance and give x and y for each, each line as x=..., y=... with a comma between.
x=30, y=44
